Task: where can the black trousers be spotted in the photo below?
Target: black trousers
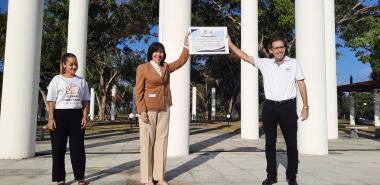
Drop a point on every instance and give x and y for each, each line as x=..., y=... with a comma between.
x=68, y=125
x=285, y=115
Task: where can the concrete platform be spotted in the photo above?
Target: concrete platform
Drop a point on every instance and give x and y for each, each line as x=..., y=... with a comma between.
x=218, y=157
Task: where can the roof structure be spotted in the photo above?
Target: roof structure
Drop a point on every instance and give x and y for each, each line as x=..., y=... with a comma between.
x=367, y=86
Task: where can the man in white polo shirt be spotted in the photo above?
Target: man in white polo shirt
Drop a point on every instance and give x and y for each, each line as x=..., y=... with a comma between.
x=281, y=74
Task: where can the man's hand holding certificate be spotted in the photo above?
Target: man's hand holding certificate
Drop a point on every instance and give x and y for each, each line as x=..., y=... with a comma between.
x=208, y=40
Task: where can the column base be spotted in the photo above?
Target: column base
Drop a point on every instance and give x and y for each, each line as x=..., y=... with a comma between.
x=377, y=132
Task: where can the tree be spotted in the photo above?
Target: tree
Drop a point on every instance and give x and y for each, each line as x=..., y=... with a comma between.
x=111, y=25
x=359, y=26
x=54, y=42
x=276, y=18
x=364, y=105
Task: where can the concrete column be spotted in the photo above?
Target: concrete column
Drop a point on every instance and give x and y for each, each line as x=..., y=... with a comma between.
x=175, y=17
x=77, y=33
x=113, y=102
x=213, y=103
x=21, y=77
x=310, y=37
x=376, y=107
x=352, y=109
x=249, y=74
x=92, y=104
x=194, y=104
x=331, y=86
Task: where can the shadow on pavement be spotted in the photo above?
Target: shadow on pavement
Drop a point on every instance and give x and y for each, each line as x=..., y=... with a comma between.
x=105, y=173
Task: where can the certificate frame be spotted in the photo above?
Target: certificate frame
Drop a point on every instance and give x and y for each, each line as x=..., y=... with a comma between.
x=208, y=40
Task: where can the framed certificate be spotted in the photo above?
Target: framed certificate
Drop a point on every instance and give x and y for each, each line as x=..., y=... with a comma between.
x=208, y=40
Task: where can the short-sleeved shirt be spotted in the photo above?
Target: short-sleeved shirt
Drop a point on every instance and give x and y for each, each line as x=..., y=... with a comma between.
x=279, y=80
x=68, y=93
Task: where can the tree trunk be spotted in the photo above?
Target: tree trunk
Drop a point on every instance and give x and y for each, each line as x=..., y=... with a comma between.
x=43, y=93
x=44, y=98
x=102, y=107
x=102, y=95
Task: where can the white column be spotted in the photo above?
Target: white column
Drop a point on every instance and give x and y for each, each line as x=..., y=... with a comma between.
x=194, y=104
x=92, y=104
x=113, y=102
x=77, y=33
x=249, y=74
x=352, y=109
x=175, y=17
x=213, y=103
x=310, y=37
x=376, y=107
x=331, y=86
x=20, y=81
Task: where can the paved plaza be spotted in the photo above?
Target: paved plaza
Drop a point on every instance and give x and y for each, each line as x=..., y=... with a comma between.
x=217, y=157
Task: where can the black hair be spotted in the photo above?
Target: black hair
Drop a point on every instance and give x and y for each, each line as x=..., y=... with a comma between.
x=154, y=47
x=64, y=59
x=274, y=39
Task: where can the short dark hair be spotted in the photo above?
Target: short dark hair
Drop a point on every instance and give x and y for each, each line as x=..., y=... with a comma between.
x=274, y=39
x=154, y=47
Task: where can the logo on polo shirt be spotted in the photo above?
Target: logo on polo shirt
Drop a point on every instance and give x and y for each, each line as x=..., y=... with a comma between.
x=288, y=69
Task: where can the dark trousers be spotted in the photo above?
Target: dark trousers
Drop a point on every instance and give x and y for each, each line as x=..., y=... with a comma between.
x=284, y=114
x=68, y=125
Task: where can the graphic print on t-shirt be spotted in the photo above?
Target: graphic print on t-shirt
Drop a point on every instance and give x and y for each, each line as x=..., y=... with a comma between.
x=72, y=94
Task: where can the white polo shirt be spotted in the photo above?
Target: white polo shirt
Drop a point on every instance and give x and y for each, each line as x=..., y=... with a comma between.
x=279, y=80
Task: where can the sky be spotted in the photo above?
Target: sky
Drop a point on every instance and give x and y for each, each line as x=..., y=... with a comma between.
x=347, y=64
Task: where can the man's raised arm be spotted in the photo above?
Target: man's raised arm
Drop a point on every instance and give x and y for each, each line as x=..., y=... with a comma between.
x=241, y=54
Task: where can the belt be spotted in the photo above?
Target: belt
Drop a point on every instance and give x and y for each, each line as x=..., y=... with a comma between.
x=281, y=102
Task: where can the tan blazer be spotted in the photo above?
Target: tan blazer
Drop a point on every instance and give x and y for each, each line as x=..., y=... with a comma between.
x=153, y=91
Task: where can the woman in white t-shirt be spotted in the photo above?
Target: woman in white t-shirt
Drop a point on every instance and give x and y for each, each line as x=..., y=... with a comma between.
x=68, y=99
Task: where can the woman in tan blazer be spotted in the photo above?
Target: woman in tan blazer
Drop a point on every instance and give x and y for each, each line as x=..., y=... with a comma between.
x=153, y=99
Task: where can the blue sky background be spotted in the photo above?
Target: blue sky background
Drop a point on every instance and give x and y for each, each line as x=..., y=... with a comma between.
x=347, y=63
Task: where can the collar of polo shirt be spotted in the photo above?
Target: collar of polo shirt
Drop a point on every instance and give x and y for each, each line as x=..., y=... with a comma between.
x=286, y=59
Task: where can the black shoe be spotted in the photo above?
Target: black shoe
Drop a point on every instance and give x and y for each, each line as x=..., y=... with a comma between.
x=269, y=181
x=292, y=181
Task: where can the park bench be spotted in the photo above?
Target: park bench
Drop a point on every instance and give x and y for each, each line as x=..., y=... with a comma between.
x=354, y=130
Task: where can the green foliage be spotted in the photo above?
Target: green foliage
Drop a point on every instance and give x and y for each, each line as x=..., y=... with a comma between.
x=114, y=23
x=359, y=26
x=220, y=71
x=54, y=39
x=363, y=105
x=276, y=18
x=111, y=25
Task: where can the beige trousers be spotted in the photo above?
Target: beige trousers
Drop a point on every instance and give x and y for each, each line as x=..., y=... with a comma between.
x=153, y=146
